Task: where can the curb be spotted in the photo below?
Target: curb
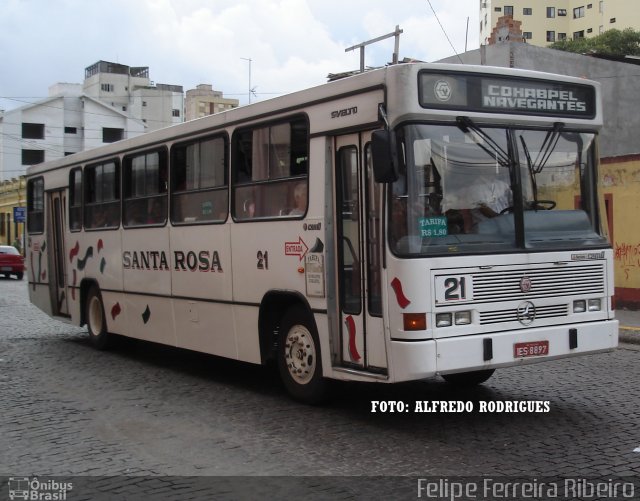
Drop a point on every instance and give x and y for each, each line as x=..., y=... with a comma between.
x=629, y=335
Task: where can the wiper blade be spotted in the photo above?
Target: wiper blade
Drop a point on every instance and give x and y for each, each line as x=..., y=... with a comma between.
x=465, y=124
x=548, y=145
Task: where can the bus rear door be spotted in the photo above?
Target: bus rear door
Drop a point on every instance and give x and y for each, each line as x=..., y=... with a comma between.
x=58, y=275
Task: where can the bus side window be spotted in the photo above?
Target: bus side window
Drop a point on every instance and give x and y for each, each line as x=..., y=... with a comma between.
x=145, y=188
x=102, y=195
x=270, y=165
x=199, y=185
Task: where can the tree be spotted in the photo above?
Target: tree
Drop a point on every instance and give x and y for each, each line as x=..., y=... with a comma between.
x=609, y=43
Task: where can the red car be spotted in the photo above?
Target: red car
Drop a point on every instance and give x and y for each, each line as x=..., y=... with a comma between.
x=11, y=262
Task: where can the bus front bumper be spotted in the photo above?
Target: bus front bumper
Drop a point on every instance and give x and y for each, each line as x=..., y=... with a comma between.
x=413, y=360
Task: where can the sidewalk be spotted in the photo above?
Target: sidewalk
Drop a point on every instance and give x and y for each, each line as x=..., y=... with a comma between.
x=629, y=326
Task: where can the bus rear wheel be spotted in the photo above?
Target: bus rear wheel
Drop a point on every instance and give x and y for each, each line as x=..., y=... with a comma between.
x=472, y=378
x=299, y=360
x=96, y=320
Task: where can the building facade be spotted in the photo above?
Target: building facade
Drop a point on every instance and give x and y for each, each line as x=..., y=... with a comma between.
x=114, y=102
x=203, y=101
x=543, y=23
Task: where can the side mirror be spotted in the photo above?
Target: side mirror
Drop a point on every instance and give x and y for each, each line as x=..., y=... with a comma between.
x=383, y=156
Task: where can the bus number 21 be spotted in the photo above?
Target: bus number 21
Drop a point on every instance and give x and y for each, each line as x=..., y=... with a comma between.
x=455, y=289
x=263, y=260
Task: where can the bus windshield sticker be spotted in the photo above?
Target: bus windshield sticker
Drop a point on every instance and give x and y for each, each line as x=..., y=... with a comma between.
x=314, y=275
x=434, y=226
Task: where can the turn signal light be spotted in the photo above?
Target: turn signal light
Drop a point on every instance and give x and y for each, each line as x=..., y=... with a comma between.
x=414, y=321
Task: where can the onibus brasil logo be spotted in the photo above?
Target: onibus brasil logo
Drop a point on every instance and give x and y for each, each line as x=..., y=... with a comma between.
x=40, y=490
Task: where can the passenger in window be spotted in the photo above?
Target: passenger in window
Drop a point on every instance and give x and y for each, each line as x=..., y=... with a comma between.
x=249, y=208
x=299, y=200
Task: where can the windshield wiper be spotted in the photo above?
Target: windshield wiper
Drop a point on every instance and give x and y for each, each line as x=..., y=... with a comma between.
x=548, y=145
x=465, y=124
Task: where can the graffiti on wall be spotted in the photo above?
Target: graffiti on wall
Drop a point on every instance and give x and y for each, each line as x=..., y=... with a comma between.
x=627, y=255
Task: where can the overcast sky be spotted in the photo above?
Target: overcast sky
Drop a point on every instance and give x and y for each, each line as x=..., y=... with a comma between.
x=293, y=44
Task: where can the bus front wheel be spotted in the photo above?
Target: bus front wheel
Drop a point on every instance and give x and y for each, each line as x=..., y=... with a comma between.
x=96, y=321
x=468, y=378
x=299, y=360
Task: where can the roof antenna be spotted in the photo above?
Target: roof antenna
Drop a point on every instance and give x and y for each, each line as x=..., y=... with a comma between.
x=362, y=45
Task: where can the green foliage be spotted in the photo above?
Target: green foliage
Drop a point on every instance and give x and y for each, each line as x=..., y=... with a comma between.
x=611, y=43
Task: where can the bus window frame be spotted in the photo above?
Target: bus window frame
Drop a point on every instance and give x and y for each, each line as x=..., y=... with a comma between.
x=85, y=187
x=163, y=157
x=30, y=210
x=216, y=189
x=235, y=185
x=71, y=198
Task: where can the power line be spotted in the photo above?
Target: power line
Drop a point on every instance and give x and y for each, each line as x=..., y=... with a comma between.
x=445, y=33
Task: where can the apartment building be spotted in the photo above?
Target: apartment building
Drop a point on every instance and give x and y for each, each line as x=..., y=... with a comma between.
x=114, y=102
x=203, y=101
x=544, y=22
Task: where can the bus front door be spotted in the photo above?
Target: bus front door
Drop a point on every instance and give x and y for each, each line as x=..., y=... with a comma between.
x=358, y=248
x=58, y=277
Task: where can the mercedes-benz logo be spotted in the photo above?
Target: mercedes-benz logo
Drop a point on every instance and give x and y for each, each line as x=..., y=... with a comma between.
x=442, y=90
x=526, y=313
x=525, y=284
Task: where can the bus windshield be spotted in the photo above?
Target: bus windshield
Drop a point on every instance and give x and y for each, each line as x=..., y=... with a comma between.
x=466, y=189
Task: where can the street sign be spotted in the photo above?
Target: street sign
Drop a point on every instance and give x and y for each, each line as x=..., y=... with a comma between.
x=19, y=214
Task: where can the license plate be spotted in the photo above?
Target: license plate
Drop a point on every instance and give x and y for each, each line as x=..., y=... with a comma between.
x=532, y=349
x=6, y=268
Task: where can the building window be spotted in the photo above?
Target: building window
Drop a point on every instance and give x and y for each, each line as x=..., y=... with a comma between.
x=32, y=131
x=562, y=36
x=578, y=34
x=497, y=9
x=110, y=135
x=589, y=5
x=35, y=205
x=589, y=30
x=102, y=195
x=612, y=20
x=199, y=181
x=175, y=113
x=527, y=35
x=32, y=157
x=75, y=199
x=562, y=12
x=145, y=182
x=551, y=36
x=270, y=170
x=508, y=10
x=106, y=87
x=70, y=130
x=144, y=103
x=551, y=12
x=527, y=11
x=578, y=12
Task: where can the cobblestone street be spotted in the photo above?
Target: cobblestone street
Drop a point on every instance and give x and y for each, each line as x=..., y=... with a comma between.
x=145, y=409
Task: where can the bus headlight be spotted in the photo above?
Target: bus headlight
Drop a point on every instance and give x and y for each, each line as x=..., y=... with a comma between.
x=443, y=320
x=594, y=304
x=579, y=306
x=463, y=317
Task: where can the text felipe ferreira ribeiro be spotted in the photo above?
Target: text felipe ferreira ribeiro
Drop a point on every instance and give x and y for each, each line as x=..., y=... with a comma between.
x=445, y=406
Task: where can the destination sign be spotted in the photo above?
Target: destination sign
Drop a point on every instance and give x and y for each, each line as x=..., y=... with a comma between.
x=503, y=94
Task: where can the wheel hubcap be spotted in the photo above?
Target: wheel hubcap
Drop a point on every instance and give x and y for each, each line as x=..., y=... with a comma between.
x=300, y=354
x=95, y=316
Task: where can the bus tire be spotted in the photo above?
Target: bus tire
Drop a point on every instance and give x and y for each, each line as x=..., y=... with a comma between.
x=472, y=378
x=299, y=359
x=96, y=320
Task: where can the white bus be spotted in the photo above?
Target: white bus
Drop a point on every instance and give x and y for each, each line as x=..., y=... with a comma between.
x=407, y=222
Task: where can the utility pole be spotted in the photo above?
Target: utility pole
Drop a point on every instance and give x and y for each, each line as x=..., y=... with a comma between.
x=250, y=90
x=362, y=45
